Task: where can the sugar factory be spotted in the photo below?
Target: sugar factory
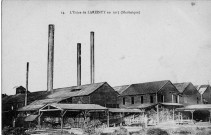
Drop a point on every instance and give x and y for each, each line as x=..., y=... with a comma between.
x=142, y=105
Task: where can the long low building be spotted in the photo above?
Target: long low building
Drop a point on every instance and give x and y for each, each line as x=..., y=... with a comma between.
x=97, y=93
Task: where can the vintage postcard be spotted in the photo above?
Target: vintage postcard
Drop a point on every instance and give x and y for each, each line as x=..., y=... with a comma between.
x=106, y=67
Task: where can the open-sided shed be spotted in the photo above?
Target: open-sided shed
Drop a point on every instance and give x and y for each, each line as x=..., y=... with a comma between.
x=59, y=110
x=193, y=108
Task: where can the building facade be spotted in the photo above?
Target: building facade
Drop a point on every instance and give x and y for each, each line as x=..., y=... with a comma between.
x=188, y=93
x=148, y=94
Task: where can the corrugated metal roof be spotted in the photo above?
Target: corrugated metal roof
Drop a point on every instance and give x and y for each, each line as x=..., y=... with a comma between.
x=75, y=90
x=78, y=106
x=196, y=107
x=124, y=110
x=46, y=101
x=60, y=93
x=144, y=88
x=44, y=97
x=181, y=86
x=31, y=117
x=67, y=92
x=30, y=108
x=120, y=89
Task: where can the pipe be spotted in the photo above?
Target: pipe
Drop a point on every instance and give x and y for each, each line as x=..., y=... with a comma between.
x=92, y=56
x=78, y=64
x=50, y=57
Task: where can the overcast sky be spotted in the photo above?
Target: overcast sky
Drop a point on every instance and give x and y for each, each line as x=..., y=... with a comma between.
x=166, y=41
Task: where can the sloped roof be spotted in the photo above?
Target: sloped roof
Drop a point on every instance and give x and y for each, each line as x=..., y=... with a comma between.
x=120, y=89
x=144, y=88
x=58, y=94
x=181, y=86
x=19, y=98
x=197, y=86
x=46, y=101
x=31, y=117
x=74, y=91
x=30, y=107
x=202, y=88
x=78, y=106
x=124, y=110
x=67, y=92
x=196, y=107
x=171, y=104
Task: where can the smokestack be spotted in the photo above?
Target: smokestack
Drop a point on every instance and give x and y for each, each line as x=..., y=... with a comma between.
x=92, y=56
x=50, y=57
x=78, y=64
x=27, y=78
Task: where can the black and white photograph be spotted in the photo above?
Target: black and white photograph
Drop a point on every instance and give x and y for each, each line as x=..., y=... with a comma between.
x=106, y=67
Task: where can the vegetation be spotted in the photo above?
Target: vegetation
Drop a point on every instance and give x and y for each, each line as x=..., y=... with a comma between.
x=13, y=131
x=90, y=126
x=156, y=131
x=121, y=131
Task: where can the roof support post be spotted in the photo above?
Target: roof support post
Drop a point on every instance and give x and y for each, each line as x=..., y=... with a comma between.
x=121, y=118
x=181, y=116
x=145, y=120
x=157, y=108
x=13, y=122
x=173, y=113
x=62, y=116
x=39, y=120
x=39, y=117
x=107, y=118
x=61, y=120
x=85, y=115
x=192, y=111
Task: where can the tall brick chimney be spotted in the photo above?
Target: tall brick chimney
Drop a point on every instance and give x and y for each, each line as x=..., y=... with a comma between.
x=78, y=64
x=50, y=57
x=92, y=62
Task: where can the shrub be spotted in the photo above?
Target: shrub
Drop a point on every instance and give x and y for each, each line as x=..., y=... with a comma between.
x=141, y=132
x=156, y=131
x=89, y=127
x=121, y=131
x=186, y=130
x=14, y=131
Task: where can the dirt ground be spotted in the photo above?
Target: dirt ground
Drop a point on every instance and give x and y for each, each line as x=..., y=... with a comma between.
x=169, y=128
